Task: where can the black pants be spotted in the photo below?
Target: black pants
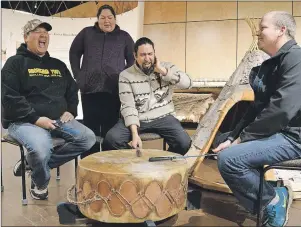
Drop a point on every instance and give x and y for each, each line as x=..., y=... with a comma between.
x=101, y=113
x=167, y=127
x=219, y=138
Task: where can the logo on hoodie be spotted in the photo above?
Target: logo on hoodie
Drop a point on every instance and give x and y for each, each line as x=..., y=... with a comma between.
x=44, y=72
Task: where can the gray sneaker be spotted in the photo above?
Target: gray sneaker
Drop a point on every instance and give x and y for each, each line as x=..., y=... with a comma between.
x=38, y=194
x=18, y=168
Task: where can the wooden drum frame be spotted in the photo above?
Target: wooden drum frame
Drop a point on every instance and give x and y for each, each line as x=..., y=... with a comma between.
x=119, y=187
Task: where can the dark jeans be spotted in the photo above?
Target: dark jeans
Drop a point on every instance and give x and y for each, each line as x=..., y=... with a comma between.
x=41, y=157
x=167, y=127
x=101, y=113
x=239, y=166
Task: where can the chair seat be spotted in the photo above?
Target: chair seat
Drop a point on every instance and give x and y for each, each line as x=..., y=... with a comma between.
x=8, y=139
x=291, y=163
x=294, y=164
x=149, y=136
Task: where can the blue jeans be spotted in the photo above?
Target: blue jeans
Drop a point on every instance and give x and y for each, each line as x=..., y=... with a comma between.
x=41, y=156
x=239, y=166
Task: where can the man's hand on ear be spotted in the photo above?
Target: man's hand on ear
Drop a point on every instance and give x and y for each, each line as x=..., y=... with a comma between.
x=160, y=69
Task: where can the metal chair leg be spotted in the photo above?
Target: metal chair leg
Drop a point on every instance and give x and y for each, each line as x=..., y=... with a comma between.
x=75, y=168
x=2, y=186
x=24, y=200
x=259, y=210
x=164, y=145
x=58, y=177
x=75, y=173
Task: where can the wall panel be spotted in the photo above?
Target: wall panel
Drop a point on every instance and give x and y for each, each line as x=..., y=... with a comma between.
x=211, y=49
x=164, y=12
x=258, y=9
x=214, y=41
x=169, y=40
x=297, y=8
x=200, y=11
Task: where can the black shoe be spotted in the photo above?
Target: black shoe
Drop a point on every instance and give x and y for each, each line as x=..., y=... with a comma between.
x=38, y=194
x=68, y=213
x=18, y=168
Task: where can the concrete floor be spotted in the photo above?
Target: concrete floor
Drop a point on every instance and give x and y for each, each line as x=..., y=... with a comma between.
x=217, y=209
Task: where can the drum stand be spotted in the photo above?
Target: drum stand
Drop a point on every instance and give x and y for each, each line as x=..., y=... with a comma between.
x=69, y=214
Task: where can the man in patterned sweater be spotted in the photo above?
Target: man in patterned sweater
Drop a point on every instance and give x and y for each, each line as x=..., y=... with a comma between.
x=145, y=91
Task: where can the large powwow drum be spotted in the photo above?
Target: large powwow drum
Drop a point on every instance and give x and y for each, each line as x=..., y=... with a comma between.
x=119, y=187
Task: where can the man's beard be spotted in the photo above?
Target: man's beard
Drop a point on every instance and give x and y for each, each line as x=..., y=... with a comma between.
x=147, y=71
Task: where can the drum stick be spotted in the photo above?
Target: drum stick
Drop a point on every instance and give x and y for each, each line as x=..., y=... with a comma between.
x=138, y=152
x=171, y=158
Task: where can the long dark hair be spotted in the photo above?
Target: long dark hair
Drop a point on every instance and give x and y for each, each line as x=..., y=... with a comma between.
x=106, y=7
x=143, y=41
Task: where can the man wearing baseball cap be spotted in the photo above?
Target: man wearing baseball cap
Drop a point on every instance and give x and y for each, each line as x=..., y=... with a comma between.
x=39, y=101
x=33, y=24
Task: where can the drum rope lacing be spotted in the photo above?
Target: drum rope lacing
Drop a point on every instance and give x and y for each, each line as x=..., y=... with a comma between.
x=174, y=197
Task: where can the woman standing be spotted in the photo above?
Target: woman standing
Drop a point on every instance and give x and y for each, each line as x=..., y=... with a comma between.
x=107, y=50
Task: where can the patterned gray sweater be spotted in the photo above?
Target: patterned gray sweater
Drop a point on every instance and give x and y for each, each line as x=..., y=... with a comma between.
x=141, y=97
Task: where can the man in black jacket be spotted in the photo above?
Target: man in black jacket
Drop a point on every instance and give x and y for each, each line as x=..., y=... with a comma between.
x=270, y=130
x=39, y=101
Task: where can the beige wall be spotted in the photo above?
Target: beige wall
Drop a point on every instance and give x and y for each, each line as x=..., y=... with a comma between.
x=207, y=39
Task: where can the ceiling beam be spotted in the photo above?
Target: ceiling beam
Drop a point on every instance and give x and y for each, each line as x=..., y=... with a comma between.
x=89, y=9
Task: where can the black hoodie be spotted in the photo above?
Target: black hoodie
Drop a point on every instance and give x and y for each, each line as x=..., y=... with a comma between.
x=105, y=55
x=34, y=86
